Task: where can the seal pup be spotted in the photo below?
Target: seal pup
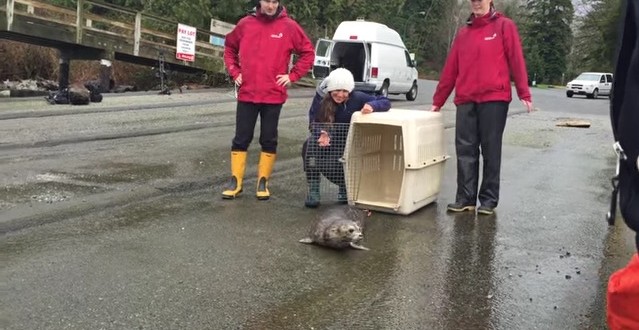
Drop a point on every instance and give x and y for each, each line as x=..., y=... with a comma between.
x=338, y=227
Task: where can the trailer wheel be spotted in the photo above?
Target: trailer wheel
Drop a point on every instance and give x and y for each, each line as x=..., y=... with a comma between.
x=412, y=93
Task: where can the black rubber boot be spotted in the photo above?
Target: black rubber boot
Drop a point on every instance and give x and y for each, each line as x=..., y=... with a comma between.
x=313, y=195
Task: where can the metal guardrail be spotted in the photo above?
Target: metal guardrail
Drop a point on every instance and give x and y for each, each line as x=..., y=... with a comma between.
x=127, y=26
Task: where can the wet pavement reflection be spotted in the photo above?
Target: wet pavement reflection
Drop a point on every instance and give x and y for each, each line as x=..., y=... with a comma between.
x=470, y=272
x=128, y=231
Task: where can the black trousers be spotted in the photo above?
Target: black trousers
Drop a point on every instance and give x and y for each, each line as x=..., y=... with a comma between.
x=479, y=128
x=245, y=119
x=625, y=114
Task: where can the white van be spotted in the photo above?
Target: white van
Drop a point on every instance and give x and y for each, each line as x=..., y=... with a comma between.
x=374, y=53
x=591, y=84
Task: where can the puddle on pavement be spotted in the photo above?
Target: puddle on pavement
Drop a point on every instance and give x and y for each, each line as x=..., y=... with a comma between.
x=51, y=190
x=111, y=173
x=89, y=228
x=44, y=192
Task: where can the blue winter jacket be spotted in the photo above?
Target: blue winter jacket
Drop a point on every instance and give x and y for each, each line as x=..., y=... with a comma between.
x=354, y=103
x=338, y=131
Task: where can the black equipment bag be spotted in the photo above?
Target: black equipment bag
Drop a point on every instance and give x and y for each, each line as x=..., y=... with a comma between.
x=624, y=114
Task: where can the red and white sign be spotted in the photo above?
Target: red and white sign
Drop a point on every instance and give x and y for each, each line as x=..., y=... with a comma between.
x=185, y=43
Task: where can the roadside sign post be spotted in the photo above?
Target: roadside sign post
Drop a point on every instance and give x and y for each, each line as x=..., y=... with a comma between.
x=185, y=48
x=222, y=29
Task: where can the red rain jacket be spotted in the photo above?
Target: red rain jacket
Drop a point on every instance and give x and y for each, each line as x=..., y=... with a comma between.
x=484, y=55
x=623, y=297
x=260, y=48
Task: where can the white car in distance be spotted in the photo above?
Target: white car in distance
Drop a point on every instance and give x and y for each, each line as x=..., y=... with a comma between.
x=591, y=84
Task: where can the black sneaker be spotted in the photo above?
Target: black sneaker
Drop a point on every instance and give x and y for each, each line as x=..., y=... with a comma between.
x=486, y=210
x=459, y=207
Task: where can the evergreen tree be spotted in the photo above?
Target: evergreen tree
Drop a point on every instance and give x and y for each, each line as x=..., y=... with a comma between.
x=596, y=37
x=548, y=38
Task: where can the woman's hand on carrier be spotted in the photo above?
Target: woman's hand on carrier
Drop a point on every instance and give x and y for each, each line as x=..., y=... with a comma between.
x=367, y=108
x=238, y=80
x=435, y=108
x=324, y=140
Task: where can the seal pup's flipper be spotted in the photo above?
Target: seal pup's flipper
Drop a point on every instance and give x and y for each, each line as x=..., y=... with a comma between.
x=359, y=247
x=306, y=240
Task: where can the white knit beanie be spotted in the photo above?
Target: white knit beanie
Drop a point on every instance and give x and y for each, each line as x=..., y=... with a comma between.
x=340, y=79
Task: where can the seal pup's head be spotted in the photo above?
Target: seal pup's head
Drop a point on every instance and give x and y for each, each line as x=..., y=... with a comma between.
x=345, y=231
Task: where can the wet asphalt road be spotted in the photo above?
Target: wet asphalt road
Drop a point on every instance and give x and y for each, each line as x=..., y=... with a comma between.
x=111, y=218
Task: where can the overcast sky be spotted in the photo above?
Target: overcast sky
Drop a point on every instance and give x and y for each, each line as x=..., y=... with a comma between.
x=581, y=6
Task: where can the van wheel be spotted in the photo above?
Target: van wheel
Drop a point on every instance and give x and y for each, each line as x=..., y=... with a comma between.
x=384, y=90
x=569, y=94
x=412, y=93
x=594, y=94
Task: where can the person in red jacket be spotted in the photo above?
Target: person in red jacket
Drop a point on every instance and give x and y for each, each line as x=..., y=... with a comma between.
x=484, y=55
x=257, y=53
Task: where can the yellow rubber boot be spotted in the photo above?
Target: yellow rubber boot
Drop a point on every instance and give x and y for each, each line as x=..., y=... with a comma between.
x=238, y=164
x=264, y=170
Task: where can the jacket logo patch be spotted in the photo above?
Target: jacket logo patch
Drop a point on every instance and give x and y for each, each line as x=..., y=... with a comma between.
x=277, y=36
x=491, y=37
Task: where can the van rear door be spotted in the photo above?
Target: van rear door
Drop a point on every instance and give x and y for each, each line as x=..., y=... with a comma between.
x=367, y=62
x=322, y=66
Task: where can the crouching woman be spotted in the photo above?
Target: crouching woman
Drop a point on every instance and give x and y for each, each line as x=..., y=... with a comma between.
x=329, y=118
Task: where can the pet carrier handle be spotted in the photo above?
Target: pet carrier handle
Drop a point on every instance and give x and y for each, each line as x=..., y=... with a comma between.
x=621, y=156
x=613, y=201
x=426, y=163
